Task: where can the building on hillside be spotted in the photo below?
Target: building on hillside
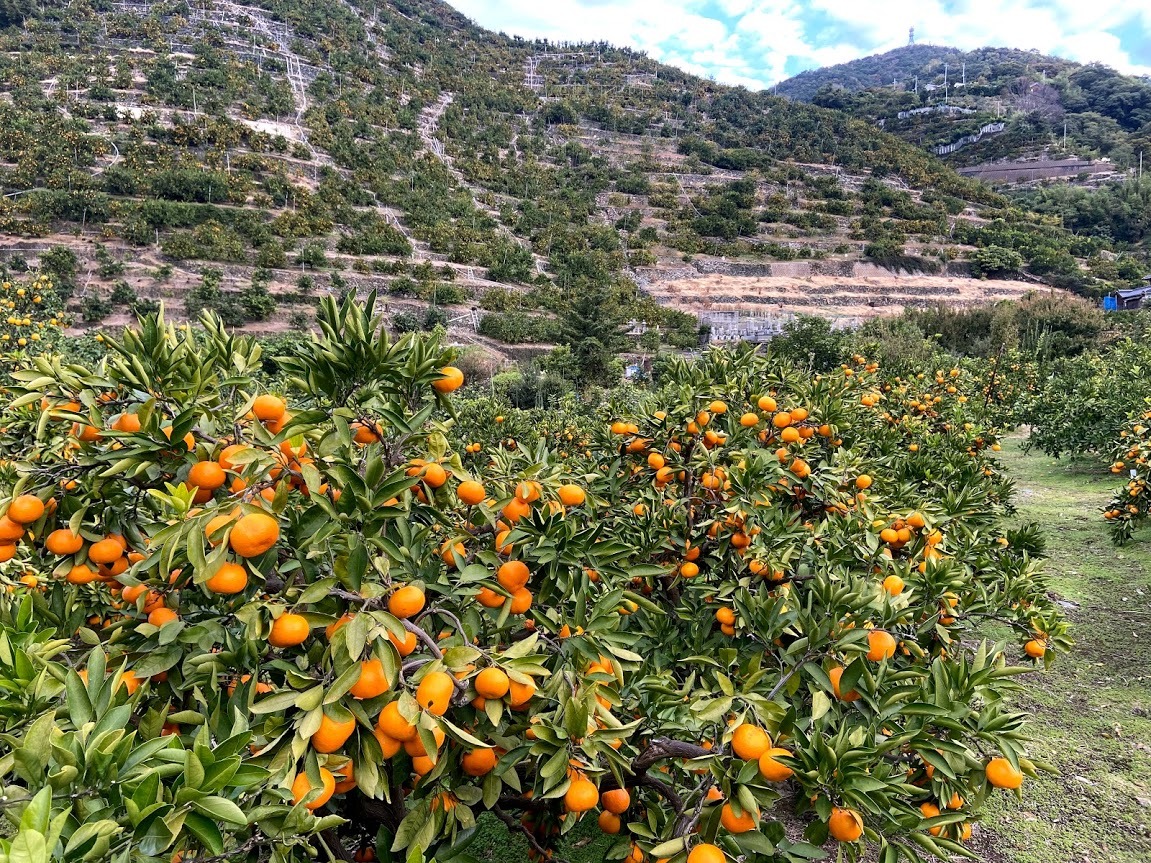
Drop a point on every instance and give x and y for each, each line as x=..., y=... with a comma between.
x=1129, y=299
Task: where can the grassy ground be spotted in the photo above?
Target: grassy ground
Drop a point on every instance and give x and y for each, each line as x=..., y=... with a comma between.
x=1092, y=712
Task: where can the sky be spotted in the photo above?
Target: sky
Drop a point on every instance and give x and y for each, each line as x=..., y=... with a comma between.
x=760, y=42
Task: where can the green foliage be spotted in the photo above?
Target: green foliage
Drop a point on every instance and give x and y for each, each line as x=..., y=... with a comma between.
x=1081, y=405
x=811, y=342
x=996, y=262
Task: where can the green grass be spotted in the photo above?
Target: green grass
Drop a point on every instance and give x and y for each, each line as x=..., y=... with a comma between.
x=1092, y=711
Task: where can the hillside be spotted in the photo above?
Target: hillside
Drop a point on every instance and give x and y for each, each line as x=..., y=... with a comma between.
x=1015, y=104
x=251, y=157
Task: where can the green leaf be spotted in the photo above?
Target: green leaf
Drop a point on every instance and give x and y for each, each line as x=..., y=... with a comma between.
x=29, y=846
x=221, y=809
x=206, y=832
x=31, y=759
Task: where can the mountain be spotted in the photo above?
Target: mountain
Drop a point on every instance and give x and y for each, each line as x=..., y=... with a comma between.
x=927, y=62
x=1025, y=104
x=250, y=157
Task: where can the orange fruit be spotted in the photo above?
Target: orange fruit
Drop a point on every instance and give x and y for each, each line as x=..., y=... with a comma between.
x=452, y=379
x=835, y=674
x=520, y=694
x=881, y=645
x=415, y=746
x=471, y=492
x=160, y=616
x=405, y=646
x=302, y=787
x=478, y=762
x=488, y=598
x=331, y=735
x=406, y=602
x=105, y=551
x=528, y=491
x=86, y=433
x=571, y=495
x=348, y=782
x=372, y=681
x=25, y=509
x=225, y=459
x=434, y=475
x=189, y=439
x=930, y=810
x=63, y=542
x=706, y=852
x=434, y=693
x=268, y=408
x=845, y=825
x=332, y=628
x=1001, y=774
x=288, y=630
x=771, y=769
x=515, y=510
x=893, y=584
x=388, y=745
x=1035, y=648
x=513, y=575
x=581, y=796
x=364, y=434
x=216, y=526
x=207, y=475
x=609, y=823
x=229, y=578
x=81, y=574
x=393, y=724
x=521, y=601
x=7, y=551
x=492, y=683
x=863, y=482
x=127, y=423
x=616, y=801
x=749, y=742
x=736, y=823
x=254, y=534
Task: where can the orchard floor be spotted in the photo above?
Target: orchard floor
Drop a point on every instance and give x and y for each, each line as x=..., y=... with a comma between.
x=1092, y=711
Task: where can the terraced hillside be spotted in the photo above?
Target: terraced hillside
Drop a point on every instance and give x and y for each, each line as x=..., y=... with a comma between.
x=250, y=157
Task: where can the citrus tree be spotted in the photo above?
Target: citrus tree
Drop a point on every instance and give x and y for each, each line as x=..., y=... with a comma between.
x=1131, y=504
x=338, y=619
x=31, y=314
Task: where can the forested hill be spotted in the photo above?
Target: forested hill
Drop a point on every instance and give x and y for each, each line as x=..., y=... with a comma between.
x=1026, y=104
x=926, y=62
x=241, y=157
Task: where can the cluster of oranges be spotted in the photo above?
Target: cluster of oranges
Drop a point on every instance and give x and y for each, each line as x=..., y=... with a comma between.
x=1131, y=504
x=30, y=312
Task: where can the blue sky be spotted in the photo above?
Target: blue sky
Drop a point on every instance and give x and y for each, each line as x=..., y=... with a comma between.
x=759, y=42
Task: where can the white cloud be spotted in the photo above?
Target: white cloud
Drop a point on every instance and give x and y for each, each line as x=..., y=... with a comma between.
x=759, y=42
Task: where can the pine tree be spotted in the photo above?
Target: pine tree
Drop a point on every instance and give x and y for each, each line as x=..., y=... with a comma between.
x=594, y=327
